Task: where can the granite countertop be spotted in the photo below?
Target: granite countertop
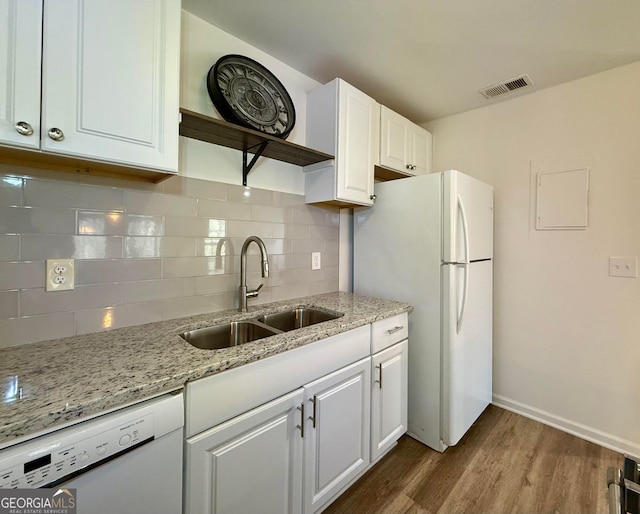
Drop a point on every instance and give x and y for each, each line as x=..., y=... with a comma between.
x=52, y=383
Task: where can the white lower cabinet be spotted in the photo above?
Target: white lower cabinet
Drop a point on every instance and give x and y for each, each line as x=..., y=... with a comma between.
x=298, y=452
x=388, y=398
x=250, y=464
x=336, y=447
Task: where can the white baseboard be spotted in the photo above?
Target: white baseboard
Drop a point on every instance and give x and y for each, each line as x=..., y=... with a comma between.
x=610, y=441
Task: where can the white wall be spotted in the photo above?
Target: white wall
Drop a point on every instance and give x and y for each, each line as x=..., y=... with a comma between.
x=202, y=45
x=567, y=336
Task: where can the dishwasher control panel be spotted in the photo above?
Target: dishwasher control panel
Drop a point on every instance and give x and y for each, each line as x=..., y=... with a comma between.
x=63, y=454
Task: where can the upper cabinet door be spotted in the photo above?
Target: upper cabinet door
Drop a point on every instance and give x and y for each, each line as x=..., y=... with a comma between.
x=110, y=80
x=393, y=140
x=404, y=146
x=20, y=44
x=358, y=131
x=420, y=149
x=344, y=122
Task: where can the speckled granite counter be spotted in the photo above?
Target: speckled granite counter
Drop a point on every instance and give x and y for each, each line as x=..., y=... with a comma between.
x=52, y=383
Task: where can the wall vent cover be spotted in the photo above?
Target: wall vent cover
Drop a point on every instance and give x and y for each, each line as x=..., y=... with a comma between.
x=507, y=86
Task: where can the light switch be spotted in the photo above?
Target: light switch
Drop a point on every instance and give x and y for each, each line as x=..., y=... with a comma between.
x=315, y=261
x=623, y=266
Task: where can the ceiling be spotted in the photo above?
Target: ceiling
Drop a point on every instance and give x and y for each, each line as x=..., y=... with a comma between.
x=429, y=58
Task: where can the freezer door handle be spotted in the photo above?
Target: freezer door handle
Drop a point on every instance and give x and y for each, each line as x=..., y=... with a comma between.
x=465, y=229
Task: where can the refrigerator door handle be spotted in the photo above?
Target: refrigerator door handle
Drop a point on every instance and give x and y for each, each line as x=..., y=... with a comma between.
x=464, y=296
x=465, y=229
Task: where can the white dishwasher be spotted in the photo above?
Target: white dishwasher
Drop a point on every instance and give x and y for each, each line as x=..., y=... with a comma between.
x=128, y=461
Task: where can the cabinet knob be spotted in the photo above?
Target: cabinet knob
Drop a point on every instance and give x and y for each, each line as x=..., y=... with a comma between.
x=373, y=197
x=56, y=134
x=408, y=166
x=23, y=128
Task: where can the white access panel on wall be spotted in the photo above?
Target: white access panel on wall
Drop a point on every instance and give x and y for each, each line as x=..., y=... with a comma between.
x=562, y=200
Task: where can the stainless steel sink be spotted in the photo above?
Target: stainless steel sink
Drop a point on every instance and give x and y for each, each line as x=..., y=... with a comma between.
x=297, y=318
x=227, y=335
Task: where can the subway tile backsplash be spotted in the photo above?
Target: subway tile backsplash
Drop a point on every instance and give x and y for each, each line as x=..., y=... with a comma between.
x=146, y=253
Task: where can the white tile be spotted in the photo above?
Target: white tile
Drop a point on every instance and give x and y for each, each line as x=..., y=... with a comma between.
x=9, y=247
x=98, y=320
x=138, y=247
x=181, y=307
x=20, y=220
x=296, y=231
x=306, y=245
x=9, y=304
x=324, y=232
x=217, y=284
x=268, y=213
x=142, y=247
x=290, y=261
x=218, y=246
x=39, y=301
x=195, y=266
x=10, y=190
x=119, y=224
x=49, y=193
x=149, y=290
x=195, y=227
x=17, y=275
x=41, y=246
x=116, y=270
x=255, y=228
x=223, y=210
x=289, y=291
x=32, y=329
x=138, y=202
x=287, y=199
x=195, y=188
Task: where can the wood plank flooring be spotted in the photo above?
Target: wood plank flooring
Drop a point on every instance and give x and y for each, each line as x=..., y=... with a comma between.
x=506, y=463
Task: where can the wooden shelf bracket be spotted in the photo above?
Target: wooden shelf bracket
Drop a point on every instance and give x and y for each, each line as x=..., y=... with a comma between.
x=246, y=168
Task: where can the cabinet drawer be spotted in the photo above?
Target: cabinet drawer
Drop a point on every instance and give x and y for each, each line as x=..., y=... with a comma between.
x=387, y=332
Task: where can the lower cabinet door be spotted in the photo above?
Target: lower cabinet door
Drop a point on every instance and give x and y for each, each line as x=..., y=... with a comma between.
x=388, y=398
x=337, y=410
x=251, y=464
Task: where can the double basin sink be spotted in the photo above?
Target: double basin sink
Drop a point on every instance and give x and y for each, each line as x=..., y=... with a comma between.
x=234, y=333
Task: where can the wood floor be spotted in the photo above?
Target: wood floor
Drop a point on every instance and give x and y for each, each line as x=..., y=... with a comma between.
x=505, y=463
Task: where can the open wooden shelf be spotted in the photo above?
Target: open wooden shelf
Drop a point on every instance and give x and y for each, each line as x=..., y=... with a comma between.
x=211, y=130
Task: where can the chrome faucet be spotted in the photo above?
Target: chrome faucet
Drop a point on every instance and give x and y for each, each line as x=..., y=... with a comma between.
x=244, y=294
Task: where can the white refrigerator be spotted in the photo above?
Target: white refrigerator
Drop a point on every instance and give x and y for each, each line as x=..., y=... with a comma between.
x=428, y=240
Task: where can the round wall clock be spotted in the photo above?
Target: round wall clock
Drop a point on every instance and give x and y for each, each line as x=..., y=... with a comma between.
x=246, y=93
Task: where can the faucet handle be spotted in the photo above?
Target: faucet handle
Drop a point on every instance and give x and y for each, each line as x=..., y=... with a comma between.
x=255, y=292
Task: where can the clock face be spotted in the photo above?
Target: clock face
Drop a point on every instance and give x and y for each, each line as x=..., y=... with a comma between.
x=246, y=93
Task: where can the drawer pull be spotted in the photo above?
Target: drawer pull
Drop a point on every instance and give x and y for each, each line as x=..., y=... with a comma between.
x=394, y=329
x=379, y=366
x=302, y=420
x=313, y=418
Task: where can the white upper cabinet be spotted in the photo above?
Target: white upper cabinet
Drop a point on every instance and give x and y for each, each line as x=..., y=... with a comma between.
x=404, y=146
x=110, y=76
x=20, y=57
x=344, y=122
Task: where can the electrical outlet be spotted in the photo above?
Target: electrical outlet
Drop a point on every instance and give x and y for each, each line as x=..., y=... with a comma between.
x=315, y=260
x=60, y=274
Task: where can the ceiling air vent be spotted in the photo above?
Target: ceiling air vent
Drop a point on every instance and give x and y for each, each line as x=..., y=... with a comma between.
x=507, y=86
